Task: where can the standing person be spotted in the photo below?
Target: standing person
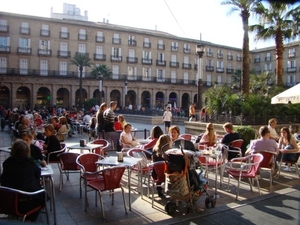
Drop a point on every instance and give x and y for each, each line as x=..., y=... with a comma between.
x=229, y=137
x=203, y=114
x=100, y=118
x=109, y=117
x=22, y=173
x=52, y=144
x=167, y=117
x=192, y=114
x=92, y=128
x=272, y=128
x=117, y=124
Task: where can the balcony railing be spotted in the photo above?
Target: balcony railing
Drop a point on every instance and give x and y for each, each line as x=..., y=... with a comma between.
x=186, y=66
x=229, y=57
x=146, y=61
x=132, y=42
x=24, y=30
x=63, y=54
x=115, y=58
x=220, y=56
x=4, y=28
x=160, y=62
x=4, y=49
x=174, y=64
x=132, y=60
x=292, y=55
x=100, y=39
x=186, y=50
x=220, y=70
x=45, y=33
x=209, y=68
x=291, y=69
x=161, y=46
x=25, y=51
x=209, y=54
x=257, y=60
x=268, y=58
x=99, y=57
x=82, y=37
x=43, y=52
x=146, y=44
x=229, y=70
x=116, y=41
x=238, y=58
x=86, y=54
x=64, y=35
x=174, y=48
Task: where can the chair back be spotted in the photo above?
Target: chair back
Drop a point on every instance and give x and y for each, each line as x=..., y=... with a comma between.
x=237, y=143
x=139, y=153
x=268, y=160
x=112, y=177
x=68, y=161
x=186, y=136
x=105, y=144
x=63, y=149
x=159, y=168
x=255, y=160
x=185, y=144
x=87, y=162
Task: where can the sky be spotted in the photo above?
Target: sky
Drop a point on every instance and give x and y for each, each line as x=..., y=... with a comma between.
x=188, y=18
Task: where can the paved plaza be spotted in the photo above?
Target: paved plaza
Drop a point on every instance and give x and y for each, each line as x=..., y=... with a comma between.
x=278, y=204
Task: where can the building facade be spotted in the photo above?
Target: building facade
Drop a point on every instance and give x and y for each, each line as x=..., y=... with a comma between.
x=158, y=68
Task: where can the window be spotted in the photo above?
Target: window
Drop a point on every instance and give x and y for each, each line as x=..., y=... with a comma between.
x=238, y=67
x=258, y=69
x=81, y=48
x=209, y=52
x=116, y=53
x=45, y=30
x=82, y=34
x=160, y=45
x=219, y=80
x=44, y=47
x=257, y=58
x=24, y=66
x=229, y=65
x=43, y=67
x=63, y=49
x=131, y=41
x=291, y=80
x=116, y=39
x=147, y=55
x=3, y=25
x=173, y=77
x=24, y=45
x=99, y=37
x=25, y=28
x=208, y=80
x=4, y=44
x=268, y=67
x=209, y=63
x=238, y=57
x=229, y=56
x=174, y=46
x=268, y=57
x=291, y=66
x=220, y=66
x=3, y=65
x=146, y=73
x=161, y=75
x=147, y=43
x=64, y=32
x=185, y=77
x=229, y=80
x=131, y=71
x=220, y=54
x=63, y=68
x=292, y=53
x=161, y=57
x=131, y=54
x=115, y=72
x=187, y=48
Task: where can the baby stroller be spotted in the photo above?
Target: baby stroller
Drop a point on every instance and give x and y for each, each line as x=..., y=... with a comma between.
x=183, y=183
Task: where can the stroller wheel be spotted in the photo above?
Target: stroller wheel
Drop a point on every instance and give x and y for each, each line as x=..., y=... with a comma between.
x=170, y=208
x=207, y=201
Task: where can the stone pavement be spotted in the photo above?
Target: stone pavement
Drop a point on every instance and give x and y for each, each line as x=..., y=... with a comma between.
x=278, y=204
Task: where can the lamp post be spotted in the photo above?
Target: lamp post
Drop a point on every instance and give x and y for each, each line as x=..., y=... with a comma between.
x=125, y=92
x=100, y=87
x=199, y=52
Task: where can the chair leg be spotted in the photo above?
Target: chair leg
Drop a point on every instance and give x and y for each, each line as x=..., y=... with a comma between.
x=124, y=202
x=250, y=183
x=153, y=184
x=258, y=187
x=297, y=169
x=228, y=183
x=238, y=189
x=102, y=206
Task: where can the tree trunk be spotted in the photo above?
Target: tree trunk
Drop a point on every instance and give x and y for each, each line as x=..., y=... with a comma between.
x=279, y=55
x=246, y=62
x=80, y=87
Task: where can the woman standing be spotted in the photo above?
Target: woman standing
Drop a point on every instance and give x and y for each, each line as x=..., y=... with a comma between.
x=100, y=119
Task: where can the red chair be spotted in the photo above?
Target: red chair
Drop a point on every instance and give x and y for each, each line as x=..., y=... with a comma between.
x=63, y=149
x=248, y=168
x=88, y=167
x=101, y=150
x=268, y=162
x=159, y=168
x=10, y=200
x=67, y=165
x=186, y=136
x=110, y=181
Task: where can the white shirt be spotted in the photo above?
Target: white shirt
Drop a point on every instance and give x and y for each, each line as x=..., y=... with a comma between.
x=273, y=132
x=167, y=116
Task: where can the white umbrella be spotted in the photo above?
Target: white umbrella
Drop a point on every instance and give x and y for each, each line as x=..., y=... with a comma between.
x=291, y=95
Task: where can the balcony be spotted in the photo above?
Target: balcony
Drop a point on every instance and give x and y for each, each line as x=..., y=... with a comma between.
x=209, y=54
x=174, y=64
x=229, y=57
x=256, y=60
x=220, y=70
x=238, y=58
x=64, y=35
x=43, y=52
x=131, y=42
x=116, y=41
x=24, y=30
x=229, y=71
x=99, y=57
x=132, y=60
x=195, y=66
x=220, y=56
x=291, y=69
x=4, y=28
x=186, y=66
x=292, y=55
x=82, y=37
x=146, y=44
x=4, y=49
x=146, y=61
x=174, y=48
x=24, y=51
x=161, y=46
x=160, y=62
x=45, y=33
x=86, y=54
x=115, y=58
x=268, y=58
x=209, y=68
x=63, y=54
x=100, y=39
x=186, y=50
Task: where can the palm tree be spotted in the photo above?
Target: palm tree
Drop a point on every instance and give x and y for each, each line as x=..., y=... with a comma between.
x=244, y=7
x=80, y=60
x=261, y=83
x=280, y=22
x=236, y=79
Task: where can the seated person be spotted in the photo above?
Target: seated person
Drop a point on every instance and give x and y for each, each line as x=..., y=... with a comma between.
x=229, y=137
x=55, y=123
x=156, y=132
x=63, y=129
x=122, y=120
x=209, y=137
x=174, y=132
x=126, y=138
x=272, y=128
x=37, y=119
x=25, y=126
x=22, y=173
x=52, y=144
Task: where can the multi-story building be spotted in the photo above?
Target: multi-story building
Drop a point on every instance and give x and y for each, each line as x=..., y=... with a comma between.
x=158, y=67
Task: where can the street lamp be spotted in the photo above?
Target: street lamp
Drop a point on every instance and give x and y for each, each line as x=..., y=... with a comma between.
x=100, y=87
x=125, y=92
x=200, y=51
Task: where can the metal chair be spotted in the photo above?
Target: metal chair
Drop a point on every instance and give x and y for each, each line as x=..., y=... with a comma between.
x=268, y=163
x=186, y=136
x=63, y=149
x=108, y=180
x=185, y=144
x=281, y=160
x=101, y=150
x=249, y=167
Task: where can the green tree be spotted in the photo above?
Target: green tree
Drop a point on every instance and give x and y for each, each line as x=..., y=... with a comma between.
x=261, y=83
x=101, y=69
x=236, y=79
x=244, y=7
x=80, y=60
x=278, y=21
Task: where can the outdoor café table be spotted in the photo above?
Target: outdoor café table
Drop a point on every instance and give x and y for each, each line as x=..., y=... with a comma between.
x=47, y=172
x=90, y=147
x=5, y=150
x=128, y=162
